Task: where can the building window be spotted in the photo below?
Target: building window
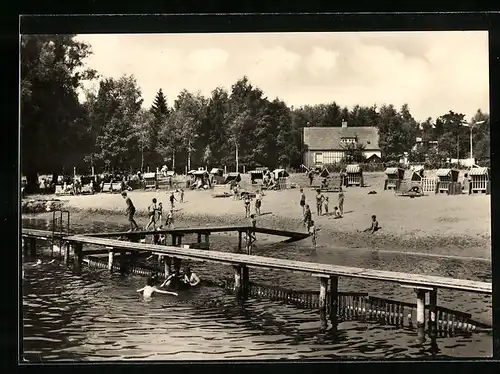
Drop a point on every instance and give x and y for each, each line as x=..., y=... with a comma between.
x=318, y=158
x=328, y=158
x=348, y=140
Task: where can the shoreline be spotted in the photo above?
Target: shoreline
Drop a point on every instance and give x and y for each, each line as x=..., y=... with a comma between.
x=457, y=246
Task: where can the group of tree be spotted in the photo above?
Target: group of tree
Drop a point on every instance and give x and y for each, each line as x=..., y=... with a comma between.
x=112, y=130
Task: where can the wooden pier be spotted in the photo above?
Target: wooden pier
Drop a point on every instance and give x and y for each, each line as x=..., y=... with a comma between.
x=328, y=275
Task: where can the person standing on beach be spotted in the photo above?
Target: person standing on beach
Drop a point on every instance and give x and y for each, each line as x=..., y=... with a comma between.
x=130, y=212
x=152, y=209
x=302, y=201
x=258, y=202
x=170, y=219
x=319, y=202
x=341, y=201
x=182, y=195
x=311, y=177
x=326, y=205
x=172, y=199
x=247, y=205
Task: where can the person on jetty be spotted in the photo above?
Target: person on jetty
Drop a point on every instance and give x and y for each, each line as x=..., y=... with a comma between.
x=341, y=201
x=258, y=202
x=374, y=226
x=149, y=289
x=307, y=217
x=319, y=202
x=159, y=210
x=313, y=232
x=302, y=201
x=152, y=210
x=172, y=199
x=130, y=212
x=253, y=223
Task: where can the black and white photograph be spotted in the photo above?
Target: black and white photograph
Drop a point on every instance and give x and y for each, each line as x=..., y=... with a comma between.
x=255, y=196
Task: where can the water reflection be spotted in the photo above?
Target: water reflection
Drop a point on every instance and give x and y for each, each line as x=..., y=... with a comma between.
x=100, y=317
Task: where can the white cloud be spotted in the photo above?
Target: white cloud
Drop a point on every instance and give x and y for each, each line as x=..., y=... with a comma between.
x=206, y=60
x=431, y=71
x=322, y=61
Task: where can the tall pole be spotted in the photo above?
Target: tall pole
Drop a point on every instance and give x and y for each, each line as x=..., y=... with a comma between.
x=237, y=162
x=189, y=155
x=471, y=141
x=458, y=149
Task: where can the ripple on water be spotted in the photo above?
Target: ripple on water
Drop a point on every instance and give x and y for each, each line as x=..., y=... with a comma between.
x=96, y=316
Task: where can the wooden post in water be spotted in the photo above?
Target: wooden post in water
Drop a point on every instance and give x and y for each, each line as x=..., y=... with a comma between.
x=78, y=257
x=32, y=246
x=123, y=262
x=334, y=303
x=24, y=243
x=240, y=235
x=323, y=286
x=207, y=240
x=245, y=282
x=237, y=281
x=433, y=312
x=110, y=260
x=177, y=261
x=199, y=238
x=66, y=253
x=421, y=313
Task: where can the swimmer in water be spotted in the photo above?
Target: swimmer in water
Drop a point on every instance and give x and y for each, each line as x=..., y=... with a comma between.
x=150, y=289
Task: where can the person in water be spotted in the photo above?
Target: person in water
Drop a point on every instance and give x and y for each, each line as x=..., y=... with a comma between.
x=190, y=278
x=149, y=289
x=374, y=227
x=130, y=212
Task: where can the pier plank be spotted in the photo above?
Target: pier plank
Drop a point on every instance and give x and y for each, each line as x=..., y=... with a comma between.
x=308, y=267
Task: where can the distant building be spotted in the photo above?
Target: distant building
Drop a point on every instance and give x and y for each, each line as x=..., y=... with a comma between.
x=326, y=145
x=419, y=142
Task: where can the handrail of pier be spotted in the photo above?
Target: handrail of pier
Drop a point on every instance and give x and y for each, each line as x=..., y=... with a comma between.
x=415, y=280
x=193, y=230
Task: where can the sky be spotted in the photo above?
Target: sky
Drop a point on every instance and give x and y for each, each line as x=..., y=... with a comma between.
x=433, y=72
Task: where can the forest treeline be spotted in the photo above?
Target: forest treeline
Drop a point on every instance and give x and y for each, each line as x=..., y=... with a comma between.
x=112, y=129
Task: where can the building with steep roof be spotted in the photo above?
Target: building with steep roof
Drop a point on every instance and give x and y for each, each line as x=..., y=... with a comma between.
x=326, y=145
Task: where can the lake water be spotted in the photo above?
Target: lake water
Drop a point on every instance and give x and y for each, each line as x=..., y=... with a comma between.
x=98, y=316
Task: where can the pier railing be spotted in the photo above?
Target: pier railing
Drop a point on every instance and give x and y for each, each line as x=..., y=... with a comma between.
x=328, y=295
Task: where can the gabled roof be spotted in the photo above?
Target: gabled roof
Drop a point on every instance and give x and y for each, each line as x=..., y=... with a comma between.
x=445, y=172
x=325, y=138
x=353, y=169
x=478, y=171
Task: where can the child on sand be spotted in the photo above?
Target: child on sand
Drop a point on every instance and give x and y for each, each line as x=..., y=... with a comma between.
x=302, y=200
x=159, y=210
x=130, y=212
x=325, y=205
x=258, y=202
x=374, y=227
x=319, y=202
x=336, y=213
x=247, y=205
x=172, y=199
x=182, y=195
x=150, y=289
x=341, y=201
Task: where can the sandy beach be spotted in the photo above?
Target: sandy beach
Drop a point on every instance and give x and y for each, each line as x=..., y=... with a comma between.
x=438, y=224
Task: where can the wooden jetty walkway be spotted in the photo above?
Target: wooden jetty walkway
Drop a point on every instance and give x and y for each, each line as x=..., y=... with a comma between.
x=328, y=274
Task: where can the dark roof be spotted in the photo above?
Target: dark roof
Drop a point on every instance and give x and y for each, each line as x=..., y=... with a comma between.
x=324, y=138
